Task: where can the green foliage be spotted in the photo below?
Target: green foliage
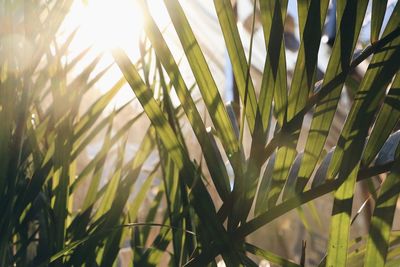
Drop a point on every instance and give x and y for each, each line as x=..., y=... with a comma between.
x=44, y=137
x=44, y=141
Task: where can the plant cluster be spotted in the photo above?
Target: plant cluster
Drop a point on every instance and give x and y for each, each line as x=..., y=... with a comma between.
x=43, y=135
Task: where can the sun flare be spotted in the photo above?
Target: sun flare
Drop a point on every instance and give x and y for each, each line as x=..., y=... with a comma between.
x=103, y=25
x=106, y=24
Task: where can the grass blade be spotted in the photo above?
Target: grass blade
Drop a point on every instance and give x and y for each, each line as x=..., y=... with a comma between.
x=386, y=120
x=349, y=29
x=346, y=158
x=273, y=14
x=204, y=78
x=377, y=16
x=382, y=219
x=212, y=157
x=238, y=59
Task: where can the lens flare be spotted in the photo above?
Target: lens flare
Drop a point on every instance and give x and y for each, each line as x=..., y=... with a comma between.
x=106, y=24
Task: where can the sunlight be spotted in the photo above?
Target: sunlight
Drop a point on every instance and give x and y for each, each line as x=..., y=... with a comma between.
x=103, y=25
x=107, y=24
